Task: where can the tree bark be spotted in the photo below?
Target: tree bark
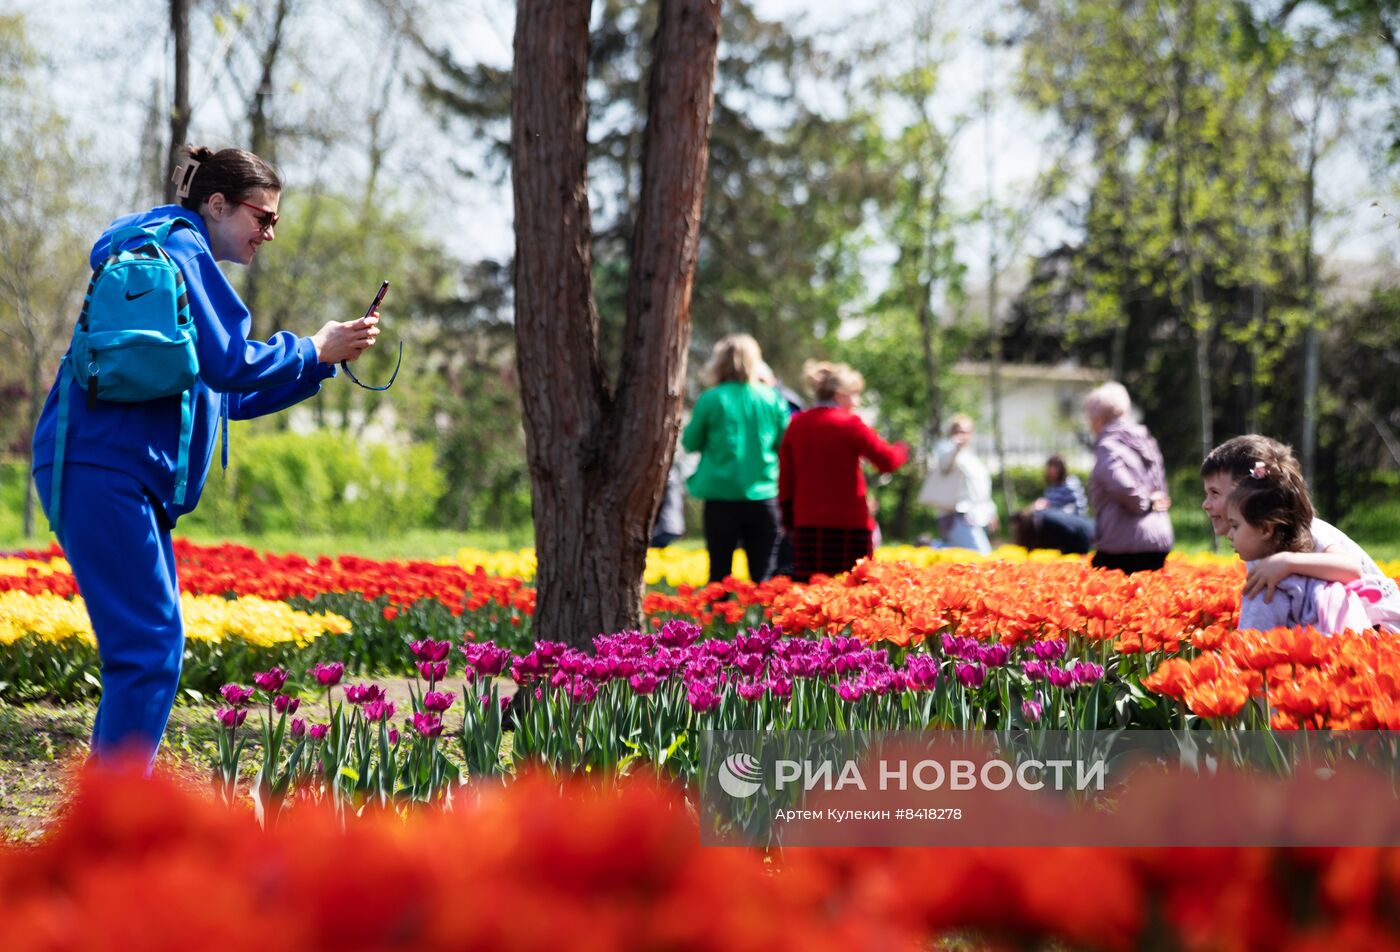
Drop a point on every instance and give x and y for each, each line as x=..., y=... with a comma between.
x=1307, y=444
x=598, y=456
x=180, y=106
x=262, y=143
x=32, y=408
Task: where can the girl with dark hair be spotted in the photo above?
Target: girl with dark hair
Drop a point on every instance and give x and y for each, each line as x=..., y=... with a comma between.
x=1265, y=518
x=1333, y=555
x=118, y=474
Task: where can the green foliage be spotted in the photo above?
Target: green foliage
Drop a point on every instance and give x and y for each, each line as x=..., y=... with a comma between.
x=1196, y=266
x=14, y=477
x=1376, y=523
x=318, y=483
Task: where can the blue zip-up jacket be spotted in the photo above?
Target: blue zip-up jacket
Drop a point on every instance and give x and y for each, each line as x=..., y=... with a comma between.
x=143, y=439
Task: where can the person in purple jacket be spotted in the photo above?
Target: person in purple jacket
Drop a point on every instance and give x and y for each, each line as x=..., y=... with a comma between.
x=1127, y=486
x=119, y=471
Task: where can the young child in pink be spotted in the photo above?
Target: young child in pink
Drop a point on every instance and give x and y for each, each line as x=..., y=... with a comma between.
x=1332, y=556
x=1264, y=520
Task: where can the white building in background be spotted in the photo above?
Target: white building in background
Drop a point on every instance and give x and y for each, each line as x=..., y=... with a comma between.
x=1040, y=412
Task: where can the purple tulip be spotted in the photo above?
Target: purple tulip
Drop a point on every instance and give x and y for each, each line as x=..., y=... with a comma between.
x=426, y=724
x=582, y=691
x=298, y=728
x=780, y=688
x=722, y=651
x=678, y=634
x=230, y=717
x=327, y=675
x=994, y=656
x=850, y=691
x=752, y=643
x=236, y=694
x=644, y=683
x=1032, y=710
x=702, y=696
x=921, y=672
x=751, y=690
x=318, y=731
x=703, y=668
x=1058, y=676
x=432, y=671
x=378, y=710
x=285, y=704
x=849, y=663
x=1036, y=670
x=430, y=650
x=955, y=647
x=971, y=675
x=750, y=664
x=393, y=736
x=490, y=660
x=803, y=667
x=1085, y=672
x=438, y=701
x=271, y=680
x=575, y=662
x=1052, y=649
x=364, y=693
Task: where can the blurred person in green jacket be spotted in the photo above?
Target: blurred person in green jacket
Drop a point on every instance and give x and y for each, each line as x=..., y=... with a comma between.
x=736, y=427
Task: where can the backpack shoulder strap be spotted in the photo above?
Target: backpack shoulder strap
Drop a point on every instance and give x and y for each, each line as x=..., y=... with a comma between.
x=164, y=231
x=60, y=442
x=122, y=235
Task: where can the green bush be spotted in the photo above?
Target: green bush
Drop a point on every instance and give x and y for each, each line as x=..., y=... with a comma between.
x=319, y=483
x=14, y=474
x=1375, y=523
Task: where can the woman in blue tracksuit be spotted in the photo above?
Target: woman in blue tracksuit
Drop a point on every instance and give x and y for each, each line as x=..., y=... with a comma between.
x=119, y=467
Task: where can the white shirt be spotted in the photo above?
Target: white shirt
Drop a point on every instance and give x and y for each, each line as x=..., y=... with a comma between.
x=1385, y=612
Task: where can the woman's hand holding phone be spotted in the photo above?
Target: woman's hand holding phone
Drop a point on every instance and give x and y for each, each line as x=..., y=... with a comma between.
x=342, y=341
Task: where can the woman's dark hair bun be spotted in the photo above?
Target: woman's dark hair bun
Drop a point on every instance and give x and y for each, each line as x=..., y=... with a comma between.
x=234, y=173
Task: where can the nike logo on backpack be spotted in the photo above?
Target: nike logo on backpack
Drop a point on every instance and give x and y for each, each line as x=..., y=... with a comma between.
x=132, y=297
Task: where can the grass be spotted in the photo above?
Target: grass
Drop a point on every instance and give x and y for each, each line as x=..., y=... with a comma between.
x=42, y=744
x=414, y=544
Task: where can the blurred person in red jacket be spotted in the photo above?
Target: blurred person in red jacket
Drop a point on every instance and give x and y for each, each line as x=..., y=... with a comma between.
x=820, y=484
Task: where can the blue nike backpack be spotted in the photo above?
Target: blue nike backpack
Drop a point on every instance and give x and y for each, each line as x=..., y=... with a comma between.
x=134, y=341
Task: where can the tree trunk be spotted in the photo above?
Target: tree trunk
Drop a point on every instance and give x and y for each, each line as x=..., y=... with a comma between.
x=34, y=404
x=180, y=106
x=598, y=458
x=1307, y=444
x=261, y=143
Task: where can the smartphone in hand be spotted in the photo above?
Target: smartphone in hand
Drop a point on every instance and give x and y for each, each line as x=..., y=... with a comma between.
x=378, y=298
x=345, y=365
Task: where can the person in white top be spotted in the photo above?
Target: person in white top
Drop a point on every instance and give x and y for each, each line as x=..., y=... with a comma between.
x=1334, y=557
x=960, y=487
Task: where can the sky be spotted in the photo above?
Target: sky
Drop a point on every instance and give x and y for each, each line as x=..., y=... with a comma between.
x=105, y=68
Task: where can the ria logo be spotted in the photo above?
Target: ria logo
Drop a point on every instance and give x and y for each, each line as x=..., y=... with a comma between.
x=740, y=775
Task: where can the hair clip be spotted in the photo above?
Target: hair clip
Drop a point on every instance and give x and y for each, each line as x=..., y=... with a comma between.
x=1260, y=470
x=184, y=177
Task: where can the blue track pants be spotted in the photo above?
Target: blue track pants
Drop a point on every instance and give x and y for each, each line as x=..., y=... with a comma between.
x=119, y=547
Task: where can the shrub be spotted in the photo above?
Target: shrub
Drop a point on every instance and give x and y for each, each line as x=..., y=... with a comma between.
x=320, y=482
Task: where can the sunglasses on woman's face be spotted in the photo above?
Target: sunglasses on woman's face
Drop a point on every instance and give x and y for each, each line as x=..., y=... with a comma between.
x=266, y=218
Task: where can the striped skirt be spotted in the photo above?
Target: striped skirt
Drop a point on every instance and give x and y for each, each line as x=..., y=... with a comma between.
x=821, y=550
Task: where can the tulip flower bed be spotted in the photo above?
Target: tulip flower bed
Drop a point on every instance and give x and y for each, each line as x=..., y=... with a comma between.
x=47, y=647
x=540, y=864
